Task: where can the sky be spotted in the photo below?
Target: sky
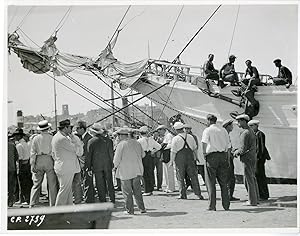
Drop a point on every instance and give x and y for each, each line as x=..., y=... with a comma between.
x=262, y=33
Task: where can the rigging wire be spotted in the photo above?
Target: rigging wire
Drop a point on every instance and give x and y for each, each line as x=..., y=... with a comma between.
x=237, y=15
x=198, y=32
x=171, y=31
x=28, y=38
x=13, y=17
x=117, y=29
x=132, y=19
x=22, y=21
x=64, y=18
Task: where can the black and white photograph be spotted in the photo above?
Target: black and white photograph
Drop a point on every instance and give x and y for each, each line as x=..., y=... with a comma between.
x=133, y=115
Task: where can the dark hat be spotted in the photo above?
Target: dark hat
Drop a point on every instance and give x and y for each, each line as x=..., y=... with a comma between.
x=19, y=131
x=277, y=60
x=64, y=123
x=227, y=122
x=211, y=117
x=232, y=56
x=248, y=61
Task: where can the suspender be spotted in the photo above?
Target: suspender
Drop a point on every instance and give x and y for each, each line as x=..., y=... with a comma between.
x=185, y=142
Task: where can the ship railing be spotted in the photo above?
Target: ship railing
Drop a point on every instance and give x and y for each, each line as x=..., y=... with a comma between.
x=186, y=73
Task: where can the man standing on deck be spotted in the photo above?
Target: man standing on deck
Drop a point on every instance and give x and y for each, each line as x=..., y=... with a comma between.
x=182, y=153
x=210, y=72
x=284, y=76
x=228, y=125
x=262, y=156
x=215, y=144
x=247, y=155
x=42, y=163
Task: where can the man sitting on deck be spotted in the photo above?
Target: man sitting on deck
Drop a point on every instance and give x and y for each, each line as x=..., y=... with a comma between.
x=284, y=74
x=227, y=72
x=210, y=71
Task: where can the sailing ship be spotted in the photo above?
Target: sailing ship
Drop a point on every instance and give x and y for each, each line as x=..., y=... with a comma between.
x=177, y=88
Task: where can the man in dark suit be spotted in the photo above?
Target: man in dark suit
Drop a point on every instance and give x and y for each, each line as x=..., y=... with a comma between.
x=88, y=186
x=99, y=162
x=262, y=155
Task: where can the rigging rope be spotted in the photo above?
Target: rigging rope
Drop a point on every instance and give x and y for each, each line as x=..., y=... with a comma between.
x=171, y=31
x=132, y=19
x=22, y=22
x=234, y=30
x=13, y=17
x=197, y=32
x=66, y=15
x=28, y=38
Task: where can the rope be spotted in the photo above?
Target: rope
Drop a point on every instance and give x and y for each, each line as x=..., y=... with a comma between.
x=22, y=21
x=28, y=38
x=234, y=29
x=132, y=19
x=171, y=32
x=13, y=17
x=198, y=32
x=66, y=15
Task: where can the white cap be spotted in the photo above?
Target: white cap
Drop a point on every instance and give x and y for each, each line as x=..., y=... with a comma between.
x=242, y=117
x=178, y=125
x=143, y=129
x=253, y=122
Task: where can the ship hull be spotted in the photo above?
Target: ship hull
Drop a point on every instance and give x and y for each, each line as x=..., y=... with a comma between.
x=277, y=115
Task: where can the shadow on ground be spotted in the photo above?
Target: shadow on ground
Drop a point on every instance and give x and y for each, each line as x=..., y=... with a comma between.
x=257, y=209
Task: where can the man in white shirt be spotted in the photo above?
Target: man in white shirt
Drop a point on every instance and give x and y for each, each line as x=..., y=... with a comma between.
x=215, y=143
x=182, y=148
x=167, y=170
x=150, y=146
x=42, y=163
x=24, y=166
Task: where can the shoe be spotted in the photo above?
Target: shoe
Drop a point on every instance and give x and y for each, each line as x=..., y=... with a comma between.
x=180, y=197
x=249, y=204
x=222, y=85
x=128, y=213
x=10, y=204
x=143, y=211
x=234, y=199
x=117, y=189
x=169, y=191
x=147, y=194
x=236, y=93
x=159, y=189
x=24, y=203
x=200, y=197
x=211, y=209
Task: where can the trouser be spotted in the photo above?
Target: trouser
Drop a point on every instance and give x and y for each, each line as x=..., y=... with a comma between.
x=186, y=165
x=262, y=179
x=200, y=170
x=77, y=189
x=212, y=76
x=169, y=176
x=148, y=164
x=88, y=188
x=231, y=177
x=104, y=182
x=11, y=186
x=232, y=78
x=64, y=195
x=159, y=171
x=44, y=165
x=250, y=180
x=25, y=178
x=217, y=168
x=132, y=187
x=279, y=81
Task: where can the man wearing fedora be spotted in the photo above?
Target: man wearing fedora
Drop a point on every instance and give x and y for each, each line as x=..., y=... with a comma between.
x=129, y=168
x=247, y=155
x=168, y=171
x=65, y=148
x=150, y=146
x=42, y=163
x=262, y=156
x=182, y=153
x=88, y=185
x=24, y=166
x=99, y=162
x=215, y=144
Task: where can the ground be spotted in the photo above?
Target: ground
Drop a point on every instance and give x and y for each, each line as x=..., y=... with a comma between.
x=165, y=211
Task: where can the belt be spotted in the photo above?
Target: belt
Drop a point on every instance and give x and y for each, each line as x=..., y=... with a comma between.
x=42, y=154
x=24, y=161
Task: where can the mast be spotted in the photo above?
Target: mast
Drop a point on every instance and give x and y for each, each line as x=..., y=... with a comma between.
x=55, y=109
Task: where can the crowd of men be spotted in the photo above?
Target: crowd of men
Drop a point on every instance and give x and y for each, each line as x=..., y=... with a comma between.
x=83, y=163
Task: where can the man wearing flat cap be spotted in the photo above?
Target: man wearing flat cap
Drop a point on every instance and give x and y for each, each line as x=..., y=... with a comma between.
x=182, y=153
x=215, y=144
x=150, y=146
x=262, y=156
x=100, y=162
x=42, y=163
x=247, y=155
x=227, y=72
x=65, y=148
x=228, y=125
x=25, y=176
x=284, y=76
